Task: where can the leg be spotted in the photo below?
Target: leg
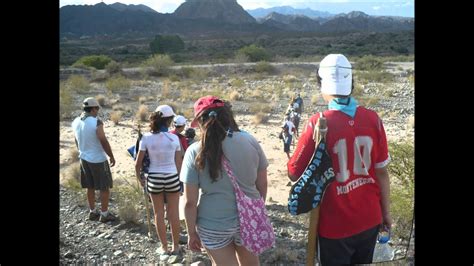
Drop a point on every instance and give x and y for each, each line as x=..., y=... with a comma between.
x=334, y=251
x=364, y=246
x=172, y=212
x=159, y=211
x=223, y=256
x=246, y=257
x=91, y=198
x=104, y=200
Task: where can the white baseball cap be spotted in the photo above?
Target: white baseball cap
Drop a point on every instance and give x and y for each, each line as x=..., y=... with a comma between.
x=179, y=120
x=166, y=110
x=90, y=102
x=336, y=75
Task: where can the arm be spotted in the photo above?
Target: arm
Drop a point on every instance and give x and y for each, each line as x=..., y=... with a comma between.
x=191, y=194
x=304, y=150
x=138, y=166
x=384, y=183
x=105, y=143
x=262, y=183
x=178, y=160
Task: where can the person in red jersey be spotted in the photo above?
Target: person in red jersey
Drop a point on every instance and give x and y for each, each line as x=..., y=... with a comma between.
x=356, y=205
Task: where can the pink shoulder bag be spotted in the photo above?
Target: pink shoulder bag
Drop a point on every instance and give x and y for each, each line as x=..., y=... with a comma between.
x=256, y=230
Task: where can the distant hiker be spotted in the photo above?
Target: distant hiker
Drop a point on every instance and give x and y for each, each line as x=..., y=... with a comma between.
x=286, y=134
x=356, y=204
x=190, y=133
x=164, y=150
x=299, y=101
x=214, y=222
x=179, y=123
x=93, y=148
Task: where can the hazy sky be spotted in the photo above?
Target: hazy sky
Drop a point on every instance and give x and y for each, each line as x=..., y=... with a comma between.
x=372, y=7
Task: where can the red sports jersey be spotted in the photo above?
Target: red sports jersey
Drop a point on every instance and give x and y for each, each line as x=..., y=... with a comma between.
x=182, y=140
x=357, y=146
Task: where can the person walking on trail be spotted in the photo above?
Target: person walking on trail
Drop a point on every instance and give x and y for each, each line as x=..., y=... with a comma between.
x=190, y=133
x=94, y=148
x=214, y=222
x=356, y=205
x=179, y=122
x=164, y=151
x=287, y=131
x=299, y=103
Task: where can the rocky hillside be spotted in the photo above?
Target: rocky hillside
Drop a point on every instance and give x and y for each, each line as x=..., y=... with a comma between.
x=228, y=11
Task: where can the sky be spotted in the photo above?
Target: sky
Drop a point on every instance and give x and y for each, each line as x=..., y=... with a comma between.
x=404, y=8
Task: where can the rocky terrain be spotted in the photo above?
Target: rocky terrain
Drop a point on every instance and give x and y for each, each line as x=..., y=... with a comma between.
x=119, y=242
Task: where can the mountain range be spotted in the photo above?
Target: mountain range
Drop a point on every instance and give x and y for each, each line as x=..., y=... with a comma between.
x=197, y=17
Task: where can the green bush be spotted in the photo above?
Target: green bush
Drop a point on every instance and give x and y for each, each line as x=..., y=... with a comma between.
x=160, y=64
x=113, y=68
x=369, y=63
x=402, y=174
x=117, y=84
x=254, y=53
x=78, y=84
x=65, y=101
x=96, y=61
x=264, y=66
x=163, y=44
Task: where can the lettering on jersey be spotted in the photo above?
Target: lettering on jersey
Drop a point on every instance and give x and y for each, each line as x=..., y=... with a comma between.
x=354, y=184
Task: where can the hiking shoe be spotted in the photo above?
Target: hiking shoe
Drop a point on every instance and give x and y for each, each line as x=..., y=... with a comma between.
x=93, y=216
x=108, y=218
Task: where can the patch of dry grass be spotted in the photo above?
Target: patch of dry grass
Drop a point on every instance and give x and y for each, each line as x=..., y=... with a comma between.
x=142, y=113
x=142, y=100
x=260, y=118
x=116, y=117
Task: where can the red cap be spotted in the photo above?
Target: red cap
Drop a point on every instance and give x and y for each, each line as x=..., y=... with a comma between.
x=203, y=104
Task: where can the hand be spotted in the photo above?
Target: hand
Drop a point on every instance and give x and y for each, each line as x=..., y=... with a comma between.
x=387, y=221
x=194, y=242
x=112, y=161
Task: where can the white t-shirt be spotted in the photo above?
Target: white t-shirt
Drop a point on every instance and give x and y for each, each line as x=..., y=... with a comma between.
x=290, y=126
x=161, y=149
x=85, y=132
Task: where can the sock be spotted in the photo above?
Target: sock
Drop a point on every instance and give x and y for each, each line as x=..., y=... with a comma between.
x=93, y=210
x=104, y=213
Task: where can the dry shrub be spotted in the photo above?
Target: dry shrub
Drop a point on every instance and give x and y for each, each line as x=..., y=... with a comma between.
x=118, y=107
x=142, y=113
x=65, y=101
x=116, y=117
x=165, y=91
x=411, y=122
x=142, y=100
x=188, y=113
x=128, y=197
x=314, y=99
x=72, y=176
x=78, y=84
x=118, y=84
x=235, y=95
x=101, y=99
x=74, y=154
x=260, y=118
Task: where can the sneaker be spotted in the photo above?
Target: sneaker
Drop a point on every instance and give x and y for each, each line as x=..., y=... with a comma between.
x=108, y=218
x=93, y=216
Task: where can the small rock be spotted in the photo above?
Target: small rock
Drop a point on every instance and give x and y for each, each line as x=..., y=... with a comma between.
x=131, y=255
x=118, y=252
x=69, y=254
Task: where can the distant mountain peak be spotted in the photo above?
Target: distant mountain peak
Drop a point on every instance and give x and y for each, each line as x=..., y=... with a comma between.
x=224, y=10
x=121, y=7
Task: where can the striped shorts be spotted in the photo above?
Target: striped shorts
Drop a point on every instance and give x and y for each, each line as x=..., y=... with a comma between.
x=212, y=239
x=159, y=182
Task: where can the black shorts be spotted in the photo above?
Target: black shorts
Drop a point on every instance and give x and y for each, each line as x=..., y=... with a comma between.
x=356, y=249
x=96, y=175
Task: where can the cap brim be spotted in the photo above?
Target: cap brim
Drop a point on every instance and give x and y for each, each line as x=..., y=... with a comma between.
x=194, y=123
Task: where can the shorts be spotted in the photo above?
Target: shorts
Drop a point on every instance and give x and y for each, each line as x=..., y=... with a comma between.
x=159, y=182
x=216, y=239
x=356, y=249
x=96, y=175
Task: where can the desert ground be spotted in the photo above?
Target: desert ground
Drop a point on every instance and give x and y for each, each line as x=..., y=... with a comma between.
x=396, y=111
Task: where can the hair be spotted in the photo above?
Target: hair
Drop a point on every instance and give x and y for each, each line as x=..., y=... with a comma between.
x=88, y=109
x=214, y=129
x=190, y=133
x=318, y=80
x=157, y=121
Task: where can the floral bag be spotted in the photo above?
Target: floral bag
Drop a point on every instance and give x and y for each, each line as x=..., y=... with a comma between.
x=256, y=230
